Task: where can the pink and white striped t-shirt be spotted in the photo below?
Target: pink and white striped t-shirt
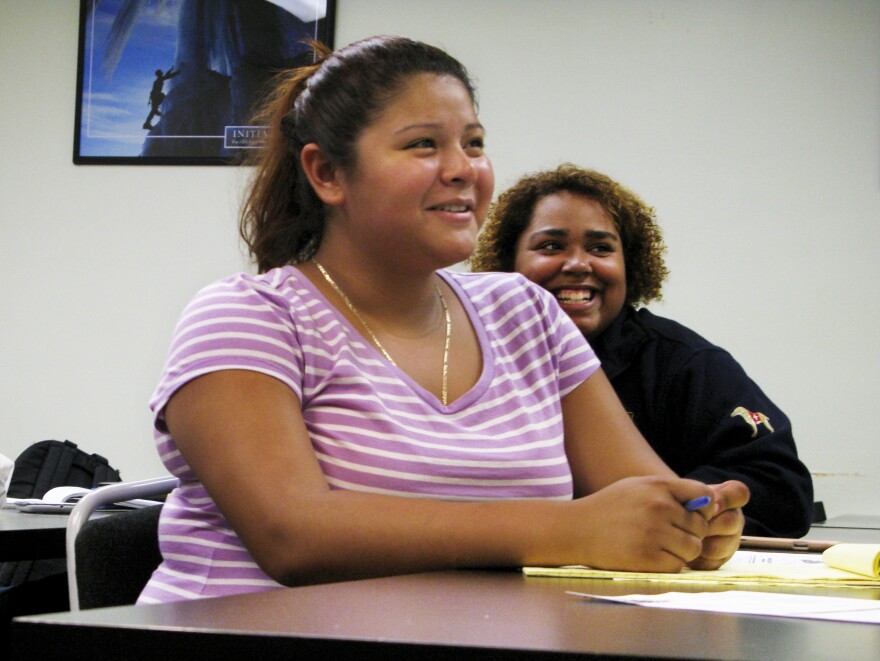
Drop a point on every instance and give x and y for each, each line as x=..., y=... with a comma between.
x=372, y=427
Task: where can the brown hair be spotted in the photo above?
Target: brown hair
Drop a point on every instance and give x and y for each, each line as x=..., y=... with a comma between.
x=328, y=103
x=642, y=239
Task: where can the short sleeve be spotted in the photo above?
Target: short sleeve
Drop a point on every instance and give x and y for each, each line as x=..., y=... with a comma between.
x=242, y=322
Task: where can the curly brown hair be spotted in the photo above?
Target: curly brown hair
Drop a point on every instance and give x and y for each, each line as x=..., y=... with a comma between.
x=510, y=215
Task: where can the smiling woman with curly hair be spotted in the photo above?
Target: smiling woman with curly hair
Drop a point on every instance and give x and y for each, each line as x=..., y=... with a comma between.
x=635, y=220
x=597, y=248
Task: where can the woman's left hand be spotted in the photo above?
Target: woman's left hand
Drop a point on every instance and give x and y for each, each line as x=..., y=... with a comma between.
x=726, y=522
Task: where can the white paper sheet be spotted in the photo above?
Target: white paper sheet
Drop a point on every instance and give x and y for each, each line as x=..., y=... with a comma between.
x=842, y=609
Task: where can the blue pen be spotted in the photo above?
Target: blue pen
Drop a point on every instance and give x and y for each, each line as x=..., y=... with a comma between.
x=697, y=503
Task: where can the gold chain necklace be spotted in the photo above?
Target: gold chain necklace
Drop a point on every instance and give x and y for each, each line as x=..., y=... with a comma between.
x=445, y=374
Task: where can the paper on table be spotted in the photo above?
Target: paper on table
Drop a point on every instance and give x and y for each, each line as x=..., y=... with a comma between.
x=753, y=567
x=757, y=603
x=861, y=559
x=62, y=500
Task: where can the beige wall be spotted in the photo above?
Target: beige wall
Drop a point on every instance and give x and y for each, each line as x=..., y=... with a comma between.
x=752, y=127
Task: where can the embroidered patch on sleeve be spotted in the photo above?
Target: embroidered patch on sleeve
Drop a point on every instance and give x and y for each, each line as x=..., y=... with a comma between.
x=752, y=418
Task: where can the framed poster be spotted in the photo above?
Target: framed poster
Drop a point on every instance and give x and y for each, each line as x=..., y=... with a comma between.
x=174, y=82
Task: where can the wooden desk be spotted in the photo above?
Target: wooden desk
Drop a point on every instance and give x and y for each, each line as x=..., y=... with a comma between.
x=26, y=536
x=443, y=615
x=855, y=535
x=852, y=522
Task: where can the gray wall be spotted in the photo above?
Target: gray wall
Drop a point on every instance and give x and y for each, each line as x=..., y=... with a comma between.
x=751, y=126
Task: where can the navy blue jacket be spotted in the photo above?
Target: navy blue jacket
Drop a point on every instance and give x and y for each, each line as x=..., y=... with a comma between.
x=706, y=418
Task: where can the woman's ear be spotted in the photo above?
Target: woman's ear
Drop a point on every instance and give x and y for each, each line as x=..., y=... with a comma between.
x=325, y=177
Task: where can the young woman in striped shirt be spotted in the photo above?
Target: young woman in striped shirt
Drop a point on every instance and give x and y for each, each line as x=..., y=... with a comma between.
x=356, y=409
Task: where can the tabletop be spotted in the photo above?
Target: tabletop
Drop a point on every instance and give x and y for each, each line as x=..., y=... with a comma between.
x=454, y=614
x=844, y=534
x=32, y=536
x=25, y=536
x=851, y=522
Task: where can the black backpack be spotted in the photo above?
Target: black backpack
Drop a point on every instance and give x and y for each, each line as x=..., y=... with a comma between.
x=41, y=467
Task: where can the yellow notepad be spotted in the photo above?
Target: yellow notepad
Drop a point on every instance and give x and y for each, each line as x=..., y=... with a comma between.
x=856, y=565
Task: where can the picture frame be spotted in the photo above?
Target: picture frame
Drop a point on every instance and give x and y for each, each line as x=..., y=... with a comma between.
x=174, y=82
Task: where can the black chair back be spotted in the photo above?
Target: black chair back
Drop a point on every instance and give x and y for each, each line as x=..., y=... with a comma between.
x=115, y=557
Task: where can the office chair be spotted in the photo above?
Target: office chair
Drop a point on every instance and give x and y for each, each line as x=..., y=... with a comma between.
x=110, y=559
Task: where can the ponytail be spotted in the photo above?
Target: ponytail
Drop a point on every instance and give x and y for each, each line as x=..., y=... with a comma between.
x=282, y=219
